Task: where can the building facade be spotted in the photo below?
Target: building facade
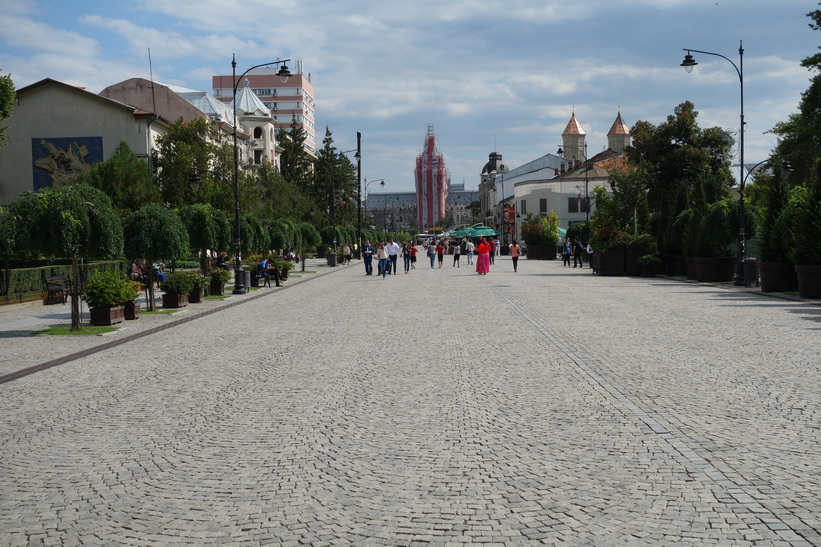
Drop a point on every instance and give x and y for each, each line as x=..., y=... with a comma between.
x=431, y=178
x=58, y=131
x=291, y=100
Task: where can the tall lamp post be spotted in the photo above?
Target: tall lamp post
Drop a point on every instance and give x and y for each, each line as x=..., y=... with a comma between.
x=381, y=183
x=358, y=157
x=493, y=176
x=560, y=152
x=688, y=63
x=284, y=74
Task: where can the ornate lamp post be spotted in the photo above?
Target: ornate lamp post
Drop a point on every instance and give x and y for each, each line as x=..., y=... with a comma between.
x=284, y=74
x=688, y=63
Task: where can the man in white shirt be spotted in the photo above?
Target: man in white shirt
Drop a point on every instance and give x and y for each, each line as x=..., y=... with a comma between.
x=393, y=249
x=469, y=248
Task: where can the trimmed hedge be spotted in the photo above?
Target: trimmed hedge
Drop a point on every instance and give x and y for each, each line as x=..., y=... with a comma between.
x=26, y=280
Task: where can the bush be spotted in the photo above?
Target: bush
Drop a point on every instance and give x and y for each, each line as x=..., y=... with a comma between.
x=178, y=283
x=641, y=242
x=108, y=289
x=220, y=276
x=806, y=227
x=648, y=261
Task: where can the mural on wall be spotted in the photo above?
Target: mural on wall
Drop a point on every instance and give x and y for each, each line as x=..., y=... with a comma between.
x=58, y=161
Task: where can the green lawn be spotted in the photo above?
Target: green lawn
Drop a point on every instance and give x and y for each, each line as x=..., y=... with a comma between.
x=85, y=331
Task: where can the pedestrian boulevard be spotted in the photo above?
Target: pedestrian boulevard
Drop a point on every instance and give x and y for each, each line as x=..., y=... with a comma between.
x=544, y=407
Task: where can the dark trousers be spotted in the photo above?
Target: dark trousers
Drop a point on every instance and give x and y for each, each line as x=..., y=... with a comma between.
x=578, y=260
x=393, y=262
x=368, y=258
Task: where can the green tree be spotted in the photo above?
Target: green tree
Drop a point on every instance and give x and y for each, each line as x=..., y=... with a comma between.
x=186, y=145
x=295, y=167
x=125, y=178
x=154, y=233
x=208, y=228
x=8, y=97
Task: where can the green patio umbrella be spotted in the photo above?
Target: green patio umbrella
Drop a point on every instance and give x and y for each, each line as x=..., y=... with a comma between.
x=481, y=230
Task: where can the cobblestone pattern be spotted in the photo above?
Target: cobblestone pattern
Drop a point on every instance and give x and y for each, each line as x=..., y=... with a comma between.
x=437, y=408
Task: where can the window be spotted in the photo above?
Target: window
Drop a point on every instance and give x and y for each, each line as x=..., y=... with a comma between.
x=578, y=205
x=523, y=207
x=543, y=205
x=257, y=132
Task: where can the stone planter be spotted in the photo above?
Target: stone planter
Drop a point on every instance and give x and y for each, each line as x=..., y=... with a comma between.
x=630, y=265
x=715, y=269
x=809, y=280
x=611, y=262
x=104, y=317
x=131, y=310
x=196, y=296
x=541, y=252
x=778, y=276
x=690, y=267
x=674, y=265
x=216, y=289
x=174, y=300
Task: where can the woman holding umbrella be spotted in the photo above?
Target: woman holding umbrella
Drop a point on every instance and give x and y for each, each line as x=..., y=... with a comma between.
x=483, y=260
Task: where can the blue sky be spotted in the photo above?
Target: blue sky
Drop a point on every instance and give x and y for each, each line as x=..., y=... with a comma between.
x=500, y=75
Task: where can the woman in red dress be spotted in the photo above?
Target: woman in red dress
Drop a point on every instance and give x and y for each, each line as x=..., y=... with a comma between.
x=483, y=260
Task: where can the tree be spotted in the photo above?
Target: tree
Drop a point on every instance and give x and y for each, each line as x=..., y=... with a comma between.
x=208, y=228
x=186, y=145
x=125, y=178
x=296, y=168
x=154, y=233
x=8, y=97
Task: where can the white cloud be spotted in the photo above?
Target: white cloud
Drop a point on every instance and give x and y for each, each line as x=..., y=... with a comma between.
x=23, y=33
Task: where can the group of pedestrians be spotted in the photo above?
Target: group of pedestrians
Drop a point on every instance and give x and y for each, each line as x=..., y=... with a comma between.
x=575, y=250
x=387, y=254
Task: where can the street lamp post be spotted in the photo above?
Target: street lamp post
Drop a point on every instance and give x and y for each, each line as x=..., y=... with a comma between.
x=688, y=63
x=560, y=152
x=381, y=183
x=358, y=157
x=284, y=74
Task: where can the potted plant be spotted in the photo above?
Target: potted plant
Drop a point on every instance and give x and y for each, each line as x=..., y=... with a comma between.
x=776, y=268
x=176, y=289
x=648, y=265
x=716, y=260
x=806, y=250
x=105, y=293
x=131, y=307
x=637, y=246
x=199, y=289
x=284, y=266
x=541, y=236
x=219, y=277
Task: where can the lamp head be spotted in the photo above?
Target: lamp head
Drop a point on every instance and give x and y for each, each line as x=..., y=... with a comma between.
x=688, y=63
x=194, y=180
x=284, y=73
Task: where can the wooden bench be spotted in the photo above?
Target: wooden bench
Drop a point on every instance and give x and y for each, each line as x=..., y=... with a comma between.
x=58, y=289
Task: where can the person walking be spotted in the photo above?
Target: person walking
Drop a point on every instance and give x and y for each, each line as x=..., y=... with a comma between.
x=469, y=248
x=440, y=253
x=432, y=253
x=483, y=257
x=578, y=253
x=393, y=249
x=492, y=243
x=567, y=252
x=367, y=256
x=515, y=251
x=382, y=255
x=457, y=253
x=406, y=255
x=589, y=254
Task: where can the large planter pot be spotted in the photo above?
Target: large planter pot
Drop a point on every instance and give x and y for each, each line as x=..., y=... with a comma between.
x=630, y=265
x=216, y=289
x=283, y=275
x=196, y=296
x=174, y=300
x=690, y=267
x=777, y=276
x=131, y=310
x=103, y=317
x=674, y=265
x=541, y=252
x=809, y=280
x=715, y=269
x=611, y=262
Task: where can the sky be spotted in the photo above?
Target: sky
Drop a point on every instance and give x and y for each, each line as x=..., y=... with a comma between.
x=488, y=75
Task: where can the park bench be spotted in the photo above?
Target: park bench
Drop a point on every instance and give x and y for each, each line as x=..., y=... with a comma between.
x=58, y=289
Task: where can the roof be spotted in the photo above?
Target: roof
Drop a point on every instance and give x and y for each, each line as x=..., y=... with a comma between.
x=618, y=127
x=248, y=102
x=573, y=127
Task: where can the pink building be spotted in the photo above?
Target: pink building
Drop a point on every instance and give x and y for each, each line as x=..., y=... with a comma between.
x=431, y=183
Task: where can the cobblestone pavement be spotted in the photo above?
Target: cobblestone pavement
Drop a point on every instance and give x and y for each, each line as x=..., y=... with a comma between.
x=549, y=406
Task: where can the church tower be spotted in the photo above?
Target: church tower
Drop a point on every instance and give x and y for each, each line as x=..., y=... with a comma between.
x=573, y=140
x=619, y=135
